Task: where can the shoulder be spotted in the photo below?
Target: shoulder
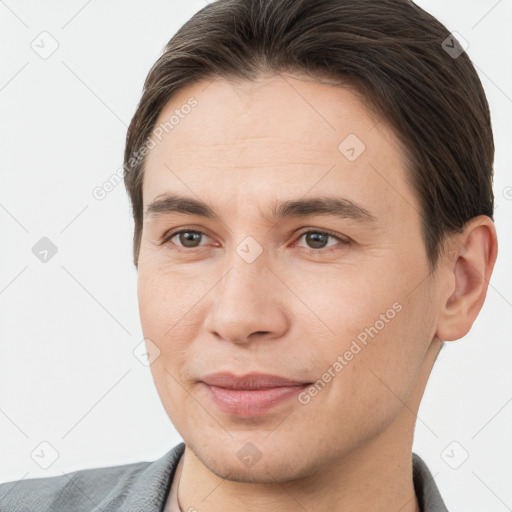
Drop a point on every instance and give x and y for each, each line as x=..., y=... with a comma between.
x=128, y=487
x=53, y=493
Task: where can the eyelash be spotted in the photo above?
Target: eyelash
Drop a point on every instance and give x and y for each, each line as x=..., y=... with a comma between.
x=343, y=240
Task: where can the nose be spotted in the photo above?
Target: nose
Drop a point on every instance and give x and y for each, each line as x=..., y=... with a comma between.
x=247, y=304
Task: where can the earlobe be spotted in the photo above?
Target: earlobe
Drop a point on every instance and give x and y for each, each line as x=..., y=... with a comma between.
x=468, y=267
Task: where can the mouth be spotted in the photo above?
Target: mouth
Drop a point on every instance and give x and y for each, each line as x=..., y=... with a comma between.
x=252, y=394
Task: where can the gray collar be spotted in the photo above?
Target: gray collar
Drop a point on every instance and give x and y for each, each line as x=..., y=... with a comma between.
x=429, y=498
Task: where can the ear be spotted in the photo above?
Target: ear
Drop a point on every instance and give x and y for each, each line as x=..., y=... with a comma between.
x=466, y=270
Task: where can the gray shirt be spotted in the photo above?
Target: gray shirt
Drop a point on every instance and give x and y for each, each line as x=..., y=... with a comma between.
x=141, y=487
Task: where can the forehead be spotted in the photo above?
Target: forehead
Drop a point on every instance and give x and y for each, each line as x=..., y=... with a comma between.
x=282, y=132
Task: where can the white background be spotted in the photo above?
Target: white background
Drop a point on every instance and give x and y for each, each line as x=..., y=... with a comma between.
x=68, y=327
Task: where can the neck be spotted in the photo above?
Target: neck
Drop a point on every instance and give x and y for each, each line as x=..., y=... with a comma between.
x=375, y=476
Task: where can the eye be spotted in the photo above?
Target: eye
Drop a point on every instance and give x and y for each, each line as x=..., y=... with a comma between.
x=186, y=238
x=316, y=239
x=319, y=239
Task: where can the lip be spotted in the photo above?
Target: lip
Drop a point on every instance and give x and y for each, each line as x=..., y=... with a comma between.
x=249, y=381
x=252, y=394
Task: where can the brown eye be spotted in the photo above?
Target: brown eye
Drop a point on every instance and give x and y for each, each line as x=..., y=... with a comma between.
x=319, y=239
x=187, y=238
x=316, y=240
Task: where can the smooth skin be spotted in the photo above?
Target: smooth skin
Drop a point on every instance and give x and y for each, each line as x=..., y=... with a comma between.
x=245, y=147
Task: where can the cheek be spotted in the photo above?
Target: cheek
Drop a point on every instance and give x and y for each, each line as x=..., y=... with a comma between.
x=167, y=299
x=168, y=318
x=373, y=342
x=171, y=313
x=339, y=302
x=386, y=368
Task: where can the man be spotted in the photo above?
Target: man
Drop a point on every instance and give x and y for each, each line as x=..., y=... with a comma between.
x=311, y=185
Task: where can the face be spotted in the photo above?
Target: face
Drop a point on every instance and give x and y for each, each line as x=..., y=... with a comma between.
x=337, y=297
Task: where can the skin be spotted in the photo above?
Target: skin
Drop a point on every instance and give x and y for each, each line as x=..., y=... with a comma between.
x=293, y=311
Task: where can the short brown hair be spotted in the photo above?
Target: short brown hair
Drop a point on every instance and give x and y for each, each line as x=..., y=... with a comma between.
x=393, y=52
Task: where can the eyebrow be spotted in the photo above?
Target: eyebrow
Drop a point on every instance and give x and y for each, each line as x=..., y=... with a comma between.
x=334, y=206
